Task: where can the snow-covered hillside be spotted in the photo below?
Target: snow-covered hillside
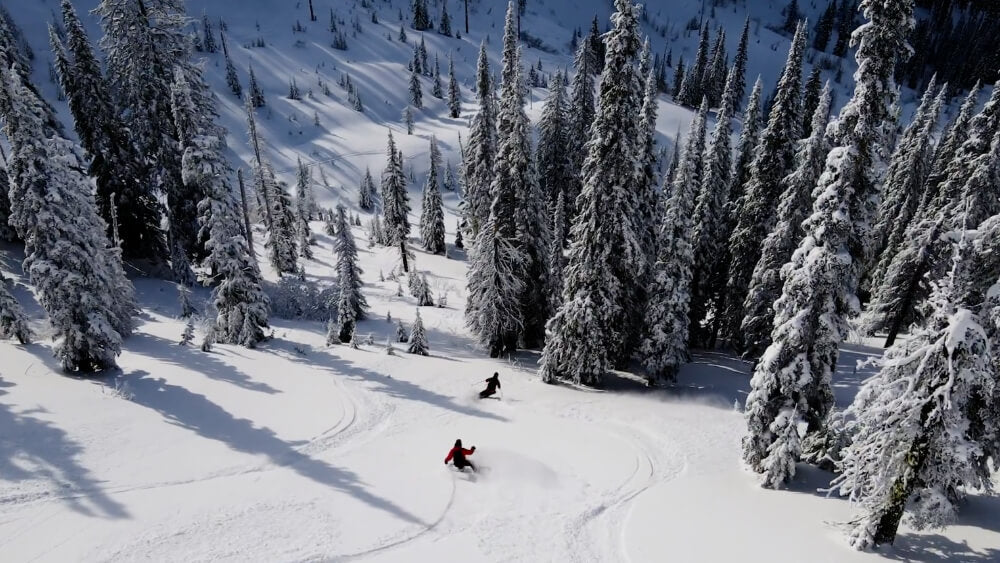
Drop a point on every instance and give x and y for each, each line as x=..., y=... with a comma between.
x=299, y=451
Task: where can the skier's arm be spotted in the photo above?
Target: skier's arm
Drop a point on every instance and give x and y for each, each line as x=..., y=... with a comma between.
x=450, y=454
x=468, y=452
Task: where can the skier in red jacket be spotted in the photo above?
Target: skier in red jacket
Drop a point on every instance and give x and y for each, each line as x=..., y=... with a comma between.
x=458, y=454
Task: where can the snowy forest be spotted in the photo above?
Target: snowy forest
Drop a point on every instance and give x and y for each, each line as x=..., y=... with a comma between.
x=789, y=208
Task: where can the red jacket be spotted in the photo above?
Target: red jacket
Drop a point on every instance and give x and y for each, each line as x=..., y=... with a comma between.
x=459, y=451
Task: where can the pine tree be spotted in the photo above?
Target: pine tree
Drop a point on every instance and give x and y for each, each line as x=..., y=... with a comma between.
x=454, y=92
x=710, y=236
x=794, y=374
x=792, y=17
x=418, y=337
x=275, y=204
x=492, y=311
x=144, y=43
x=421, y=18
x=777, y=249
x=208, y=36
x=714, y=80
x=740, y=68
x=444, y=25
x=481, y=151
x=824, y=27
x=519, y=209
x=303, y=188
x=583, y=338
x=773, y=160
x=78, y=278
x=597, y=49
x=679, y=74
x=902, y=286
x=845, y=23
x=240, y=302
x=810, y=100
x=553, y=159
x=432, y=211
x=395, y=201
x=366, y=191
x=664, y=344
x=745, y=149
x=408, y=119
x=914, y=445
x=907, y=170
x=13, y=321
x=119, y=171
x=232, y=78
x=582, y=112
x=691, y=90
x=7, y=232
x=416, y=95
x=557, y=259
x=436, y=89
x=256, y=94
x=351, y=303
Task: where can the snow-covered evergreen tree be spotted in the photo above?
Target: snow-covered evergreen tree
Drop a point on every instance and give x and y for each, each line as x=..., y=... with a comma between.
x=664, y=344
x=739, y=69
x=584, y=338
x=351, y=303
x=303, y=211
x=454, y=92
x=553, y=159
x=646, y=196
x=902, y=287
x=432, y=210
x=273, y=202
x=481, y=151
x=766, y=282
x=240, y=302
x=914, y=446
x=76, y=274
x=416, y=93
x=119, y=171
x=557, y=258
x=417, y=343
x=795, y=372
x=13, y=321
x=232, y=77
x=366, y=191
x=745, y=149
x=256, y=94
x=714, y=79
x=144, y=42
x=691, y=91
x=710, y=235
x=395, y=200
x=907, y=170
x=810, y=99
x=444, y=24
x=773, y=160
x=582, y=111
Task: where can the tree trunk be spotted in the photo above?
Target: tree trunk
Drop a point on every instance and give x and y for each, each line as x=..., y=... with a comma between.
x=466, y=17
x=312, y=14
x=246, y=215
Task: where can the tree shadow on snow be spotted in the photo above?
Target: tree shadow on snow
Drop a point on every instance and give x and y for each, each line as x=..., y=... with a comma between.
x=397, y=388
x=193, y=359
x=207, y=419
x=34, y=449
x=936, y=547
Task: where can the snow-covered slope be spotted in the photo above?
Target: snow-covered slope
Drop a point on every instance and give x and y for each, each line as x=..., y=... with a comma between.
x=298, y=451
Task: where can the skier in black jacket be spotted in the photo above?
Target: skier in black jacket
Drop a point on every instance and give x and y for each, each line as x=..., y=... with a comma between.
x=492, y=384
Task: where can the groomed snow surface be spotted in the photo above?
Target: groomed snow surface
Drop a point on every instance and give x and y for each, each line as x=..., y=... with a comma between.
x=301, y=452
